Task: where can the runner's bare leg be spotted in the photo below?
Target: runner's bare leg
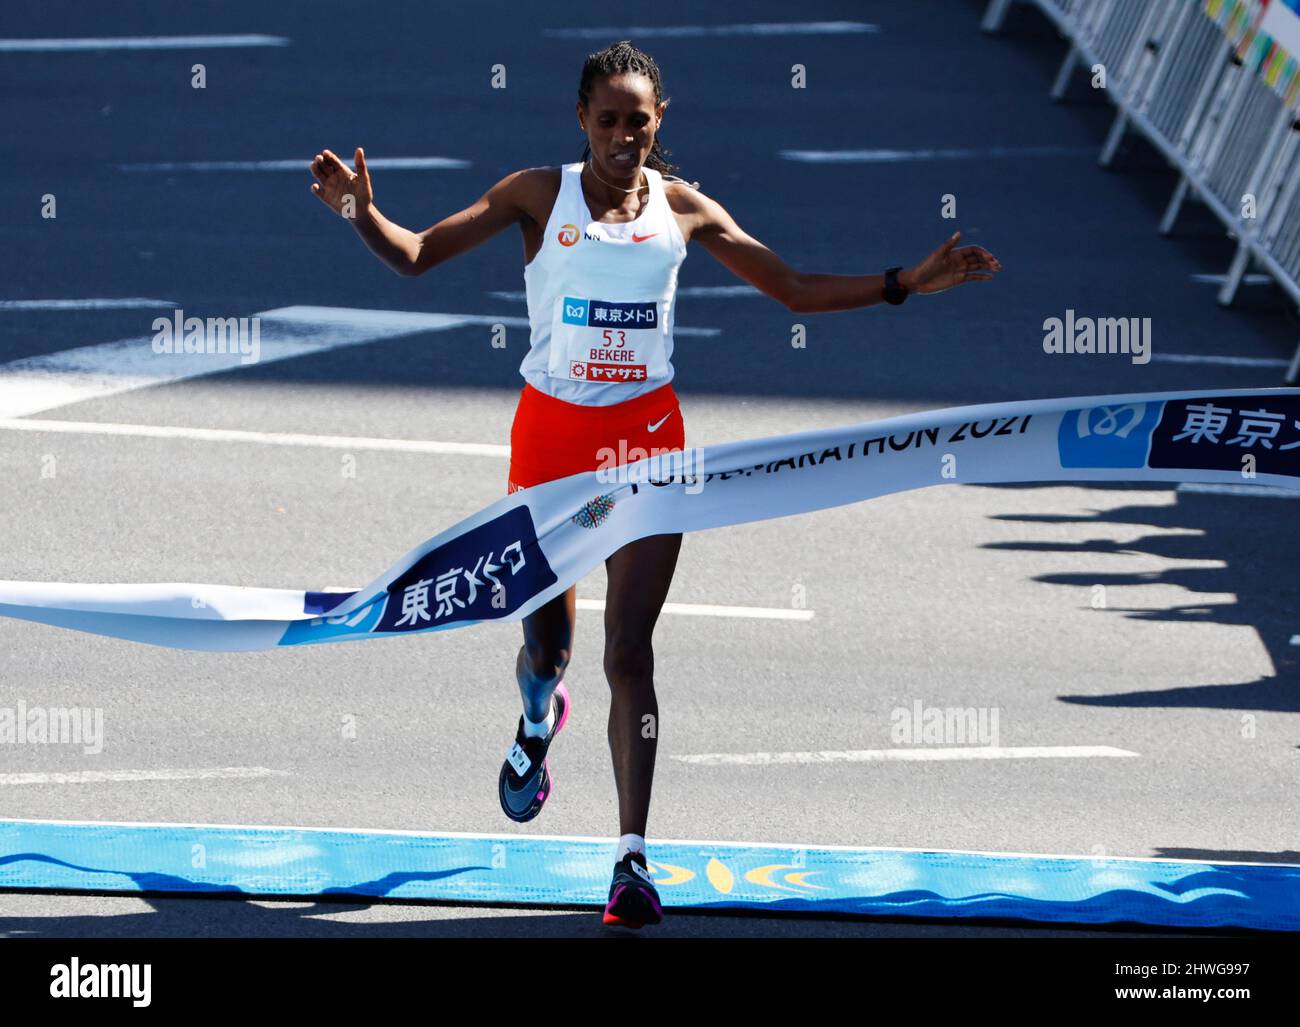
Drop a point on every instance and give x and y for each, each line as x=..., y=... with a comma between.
x=639, y=576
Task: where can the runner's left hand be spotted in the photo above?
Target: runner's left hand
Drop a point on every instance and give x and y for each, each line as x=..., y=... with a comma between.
x=948, y=266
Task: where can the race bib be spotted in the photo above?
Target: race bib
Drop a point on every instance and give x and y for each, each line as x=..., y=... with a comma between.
x=607, y=341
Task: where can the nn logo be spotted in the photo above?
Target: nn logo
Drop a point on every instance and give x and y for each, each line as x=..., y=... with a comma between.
x=1116, y=435
x=575, y=311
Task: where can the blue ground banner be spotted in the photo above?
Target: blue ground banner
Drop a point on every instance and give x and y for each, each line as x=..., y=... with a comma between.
x=540, y=870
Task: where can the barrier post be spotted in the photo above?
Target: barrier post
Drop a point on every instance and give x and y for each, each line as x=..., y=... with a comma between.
x=1247, y=230
x=994, y=15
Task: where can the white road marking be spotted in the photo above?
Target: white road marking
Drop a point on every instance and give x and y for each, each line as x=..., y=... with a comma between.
x=697, y=291
x=682, y=609
x=895, y=156
x=1220, y=279
x=138, y=43
x=971, y=752
x=129, y=303
x=1197, y=358
x=154, y=431
x=720, y=290
x=706, y=610
x=32, y=385
x=1222, y=489
x=793, y=28
x=363, y=318
x=97, y=776
x=301, y=164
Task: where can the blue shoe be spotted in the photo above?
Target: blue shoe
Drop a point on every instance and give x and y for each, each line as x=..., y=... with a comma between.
x=526, y=782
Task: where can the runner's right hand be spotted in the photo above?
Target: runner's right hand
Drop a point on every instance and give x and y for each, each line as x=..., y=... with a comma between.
x=335, y=181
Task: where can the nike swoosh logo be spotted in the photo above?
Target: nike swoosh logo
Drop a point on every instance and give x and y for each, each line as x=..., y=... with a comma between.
x=643, y=238
x=655, y=426
x=522, y=796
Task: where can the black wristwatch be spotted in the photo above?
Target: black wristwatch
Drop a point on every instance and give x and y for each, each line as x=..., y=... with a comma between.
x=894, y=293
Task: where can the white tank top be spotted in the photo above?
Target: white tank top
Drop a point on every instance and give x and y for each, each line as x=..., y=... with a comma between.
x=601, y=299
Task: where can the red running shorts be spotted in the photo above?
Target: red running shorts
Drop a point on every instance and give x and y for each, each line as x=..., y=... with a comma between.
x=551, y=438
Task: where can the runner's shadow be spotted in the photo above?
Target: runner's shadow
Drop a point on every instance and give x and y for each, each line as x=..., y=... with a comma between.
x=1252, y=540
x=1236, y=856
x=150, y=881
x=145, y=880
x=188, y=916
x=222, y=916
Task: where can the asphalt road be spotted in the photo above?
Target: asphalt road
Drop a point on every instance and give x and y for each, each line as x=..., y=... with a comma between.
x=955, y=597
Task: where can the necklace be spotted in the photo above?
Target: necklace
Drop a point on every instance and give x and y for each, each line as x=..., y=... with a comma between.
x=617, y=187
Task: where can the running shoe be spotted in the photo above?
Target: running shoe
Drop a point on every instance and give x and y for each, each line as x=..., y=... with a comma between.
x=525, y=782
x=633, y=901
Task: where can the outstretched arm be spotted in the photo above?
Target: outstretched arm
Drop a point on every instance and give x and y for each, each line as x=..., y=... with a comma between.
x=805, y=293
x=348, y=193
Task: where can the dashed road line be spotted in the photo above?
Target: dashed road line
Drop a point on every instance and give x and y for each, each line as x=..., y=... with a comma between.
x=99, y=776
x=973, y=752
x=137, y=43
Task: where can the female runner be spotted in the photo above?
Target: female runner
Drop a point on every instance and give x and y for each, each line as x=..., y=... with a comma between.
x=603, y=239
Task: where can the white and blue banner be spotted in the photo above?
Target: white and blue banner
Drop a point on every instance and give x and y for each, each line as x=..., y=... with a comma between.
x=507, y=560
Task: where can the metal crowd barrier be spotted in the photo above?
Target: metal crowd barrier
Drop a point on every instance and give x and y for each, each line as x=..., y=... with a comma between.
x=1174, y=77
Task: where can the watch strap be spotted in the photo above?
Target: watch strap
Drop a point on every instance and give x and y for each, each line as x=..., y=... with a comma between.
x=894, y=292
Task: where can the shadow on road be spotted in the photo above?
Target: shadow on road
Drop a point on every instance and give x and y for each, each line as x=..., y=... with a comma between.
x=1254, y=539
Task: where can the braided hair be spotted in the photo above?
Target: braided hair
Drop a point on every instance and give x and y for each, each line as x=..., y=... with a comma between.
x=624, y=58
